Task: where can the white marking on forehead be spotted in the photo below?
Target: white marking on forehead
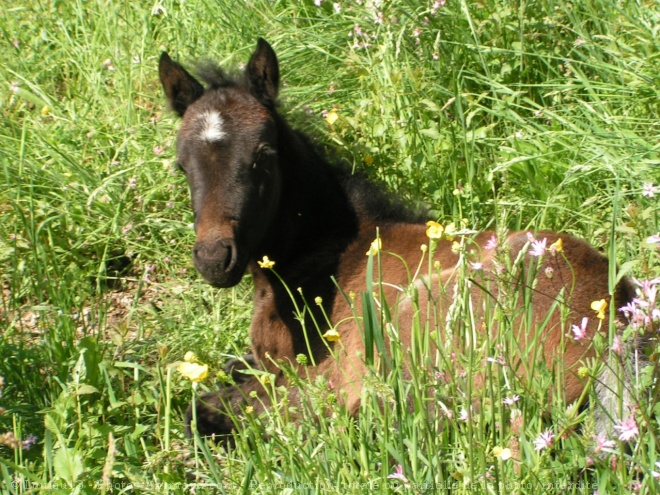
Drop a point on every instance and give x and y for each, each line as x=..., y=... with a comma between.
x=211, y=126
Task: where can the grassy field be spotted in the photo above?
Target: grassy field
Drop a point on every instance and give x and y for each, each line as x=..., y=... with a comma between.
x=503, y=115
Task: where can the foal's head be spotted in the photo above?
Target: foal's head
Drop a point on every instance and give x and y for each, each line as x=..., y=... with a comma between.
x=227, y=147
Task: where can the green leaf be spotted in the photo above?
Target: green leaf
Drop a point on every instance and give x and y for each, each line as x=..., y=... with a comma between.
x=68, y=464
x=86, y=389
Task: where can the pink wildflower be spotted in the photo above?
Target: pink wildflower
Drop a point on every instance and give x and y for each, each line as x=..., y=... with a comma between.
x=649, y=190
x=498, y=360
x=477, y=266
x=509, y=401
x=437, y=5
x=580, y=332
x=398, y=474
x=491, y=244
x=538, y=247
x=627, y=429
x=544, y=440
x=603, y=443
x=29, y=442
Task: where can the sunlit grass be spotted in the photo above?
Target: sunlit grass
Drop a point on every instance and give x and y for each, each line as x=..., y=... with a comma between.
x=530, y=116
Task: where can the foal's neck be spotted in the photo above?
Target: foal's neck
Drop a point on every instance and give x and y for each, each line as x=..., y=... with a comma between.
x=314, y=224
x=315, y=216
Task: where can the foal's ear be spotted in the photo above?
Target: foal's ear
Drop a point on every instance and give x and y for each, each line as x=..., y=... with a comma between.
x=180, y=87
x=263, y=74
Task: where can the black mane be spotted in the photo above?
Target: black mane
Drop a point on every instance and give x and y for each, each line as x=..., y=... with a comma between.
x=370, y=199
x=216, y=77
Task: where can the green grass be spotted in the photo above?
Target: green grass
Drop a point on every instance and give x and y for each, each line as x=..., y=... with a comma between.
x=539, y=114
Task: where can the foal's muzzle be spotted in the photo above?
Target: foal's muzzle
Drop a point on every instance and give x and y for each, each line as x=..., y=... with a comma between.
x=217, y=262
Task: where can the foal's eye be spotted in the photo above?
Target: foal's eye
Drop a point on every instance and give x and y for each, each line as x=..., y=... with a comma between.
x=265, y=150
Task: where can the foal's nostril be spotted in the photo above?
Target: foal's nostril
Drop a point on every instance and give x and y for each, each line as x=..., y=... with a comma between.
x=222, y=254
x=230, y=259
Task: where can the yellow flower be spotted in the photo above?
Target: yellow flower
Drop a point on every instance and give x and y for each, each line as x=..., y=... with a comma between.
x=557, y=246
x=450, y=231
x=369, y=160
x=376, y=246
x=266, y=379
x=599, y=307
x=435, y=230
x=455, y=247
x=332, y=117
x=266, y=264
x=193, y=371
x=249, y=410
x=502, y=453
x=45, y=110
x=318, y=300
x=190, y=357
x=332, y=335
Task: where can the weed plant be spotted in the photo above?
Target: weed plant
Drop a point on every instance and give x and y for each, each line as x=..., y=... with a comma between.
x=504, y=115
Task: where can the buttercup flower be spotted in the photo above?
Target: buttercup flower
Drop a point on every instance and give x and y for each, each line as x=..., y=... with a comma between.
x=557, y=246
x=502, y=453
x=193, y=371
x=332, y=117
x=376, y=246
x=190, y=357
x=332, y=335
x=599, y=307
x=435, y=230
x=450, y=231
x=266, y=264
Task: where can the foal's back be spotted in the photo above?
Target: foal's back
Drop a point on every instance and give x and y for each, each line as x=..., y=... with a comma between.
x=557, y=289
